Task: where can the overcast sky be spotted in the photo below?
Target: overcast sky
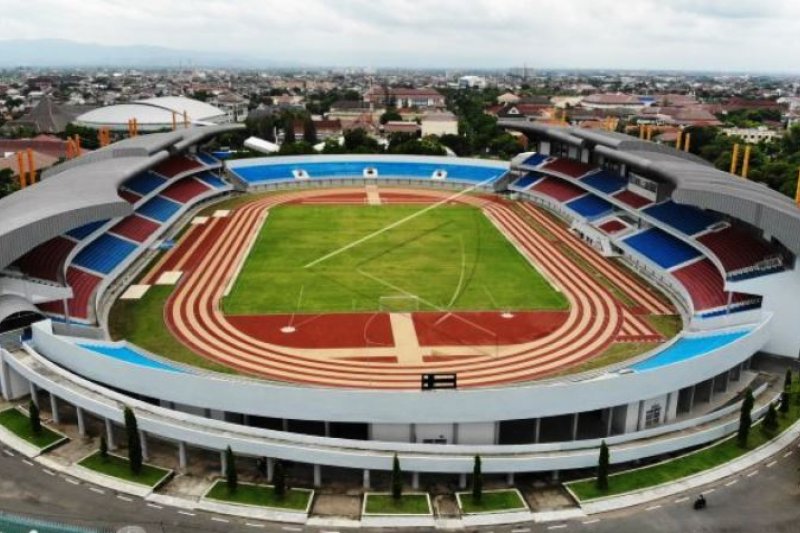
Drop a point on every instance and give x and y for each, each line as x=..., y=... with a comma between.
x=754, y=35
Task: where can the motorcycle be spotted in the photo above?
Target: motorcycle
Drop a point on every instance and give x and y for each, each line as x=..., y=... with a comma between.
x=700, y=503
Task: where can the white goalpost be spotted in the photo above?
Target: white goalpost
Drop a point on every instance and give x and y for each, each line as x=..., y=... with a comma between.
x=405, y=303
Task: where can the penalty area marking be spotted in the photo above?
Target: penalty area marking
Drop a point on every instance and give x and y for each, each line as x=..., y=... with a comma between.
x=393, y=225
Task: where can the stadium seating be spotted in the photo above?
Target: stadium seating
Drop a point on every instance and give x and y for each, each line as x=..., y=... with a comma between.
x=535, y=160
x=574, y=169
x=525, y=181
x=175, y=165
x=612, y=226
x=632, y=199
x=159, y=209
x=46, y=260
x=661, y=248
x=688, y=348
x=144, y=183
x=184, y=190
x=704, y=284
x=605, y=181
x=83, y=286
x=736, y=248
x=590, y=206
x=558, y=189
x=135, y=228
x=104, y=253
x=211, y=180
x=684, y=218
x=84, y=231
x=128, y=196
x=207, y=159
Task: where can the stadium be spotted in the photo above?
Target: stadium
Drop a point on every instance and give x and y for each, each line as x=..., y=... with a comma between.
x=334, y=311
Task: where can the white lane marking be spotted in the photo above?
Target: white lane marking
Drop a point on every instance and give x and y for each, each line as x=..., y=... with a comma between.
x=29, y=463
x=558, y=526
x=73, y=481
x=653, y=508
x=186, y=513
x=681, y=500
x=250, y=524
x=292, y=528
x=154, y=506
x=124, y=498
x=770, y=465
x=8, y=453
x=732, y=482
x=218, y=519
x=98, y=491
x=521, y=530
x=709, y=491
x=589, y=522
x=787, y=454
x=48, y=472
x=753, y=473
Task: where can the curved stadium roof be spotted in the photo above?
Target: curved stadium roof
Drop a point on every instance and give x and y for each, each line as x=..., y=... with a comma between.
x=152, y=114
x=695, y=181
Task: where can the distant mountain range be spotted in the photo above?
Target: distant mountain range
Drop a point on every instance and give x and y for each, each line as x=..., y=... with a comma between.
x=64, y=53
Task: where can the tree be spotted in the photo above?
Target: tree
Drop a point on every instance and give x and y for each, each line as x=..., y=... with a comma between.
x=231, y=477
x=397, y=479
x=134, y=441
x=35, y=419
x=770, y=424
x=279, y=479
x=391, y=115
x=358, y=141
x=477, y=480
x=309, y=131
x=745, y=419
x=602, y=467
x=103, y=447
x=288, y=132
x=8, y=184
x=787, y=381
x=784, y=402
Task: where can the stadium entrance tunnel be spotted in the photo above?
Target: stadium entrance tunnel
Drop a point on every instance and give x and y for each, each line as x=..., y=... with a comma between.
x=16, y=313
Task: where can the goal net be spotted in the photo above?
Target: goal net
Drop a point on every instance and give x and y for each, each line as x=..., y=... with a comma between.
x=398, y=304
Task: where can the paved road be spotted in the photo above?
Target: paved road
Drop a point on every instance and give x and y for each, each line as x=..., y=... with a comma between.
x=765, y=498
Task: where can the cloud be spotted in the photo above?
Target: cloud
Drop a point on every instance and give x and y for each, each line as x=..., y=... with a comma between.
x=688, y=34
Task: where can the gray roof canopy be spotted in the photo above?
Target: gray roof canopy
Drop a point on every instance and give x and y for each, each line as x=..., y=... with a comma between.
x=695, y=180
x=85, y=190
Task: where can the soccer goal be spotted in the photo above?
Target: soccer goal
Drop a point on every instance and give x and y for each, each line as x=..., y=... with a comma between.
x=398, y=304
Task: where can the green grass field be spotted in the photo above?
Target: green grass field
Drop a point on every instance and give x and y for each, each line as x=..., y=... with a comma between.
x=262, y=495
x=407, y=504
x=451, y=258
x=492, y=502
x=20, y=425
x=116, y=466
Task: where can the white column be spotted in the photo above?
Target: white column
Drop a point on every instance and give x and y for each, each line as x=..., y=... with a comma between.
x=182, y=462
x=270, y=468
x=223, y=462
x=691, y=397
x=415, y=480
x=510, y=479
x=575, y=426
x=317, y=475
x=462, y=481
x=34, y=395
x=110, y=435
x=537, y=430
x=327, y=429
x=143, y=441
x=365, y=477
x=5, y=377
x=81, y=421
x=610, y=425
x=54, y=408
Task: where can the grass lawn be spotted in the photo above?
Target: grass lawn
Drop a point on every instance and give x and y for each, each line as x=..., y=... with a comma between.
x=262, y=495
x=119, y=467
x=20, y=425
x=142, y=323
x=492, y=501
x=408, y=504
x=687, y=465
x=452, y=257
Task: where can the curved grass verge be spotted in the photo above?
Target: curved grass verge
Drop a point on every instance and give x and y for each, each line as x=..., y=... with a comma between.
x=260, y=495
x=492, y=501
x=119, y=467
x=20, y=425
x=411, y=504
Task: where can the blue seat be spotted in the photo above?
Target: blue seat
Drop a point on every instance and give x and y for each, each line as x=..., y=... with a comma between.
x=688, y=348
x=661, y=248
x=590, y=206
x=144, y=184
x=159, y=208
x=535, y=160
x=526, y=181
x=207, y=159
x=210, y=179
x=104, y=253
x=606, y=182
x=684, y=218
x=84, y=231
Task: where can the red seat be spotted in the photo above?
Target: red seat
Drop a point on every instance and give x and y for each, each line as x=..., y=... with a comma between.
x=46, y=260
x=632, y=199
x=83, y=286
x=573, y=169
x=185, y=190
x=736, y=248
x=177, y=165
x=558, y=189
x=135, y=228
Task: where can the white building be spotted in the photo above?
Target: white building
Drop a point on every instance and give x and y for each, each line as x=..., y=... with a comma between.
x=753, y=135
x=444, y=123
x=471, y=82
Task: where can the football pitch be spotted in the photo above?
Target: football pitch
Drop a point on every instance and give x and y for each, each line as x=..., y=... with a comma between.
x=449, y=258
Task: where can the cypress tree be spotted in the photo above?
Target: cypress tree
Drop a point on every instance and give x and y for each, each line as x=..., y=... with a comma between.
x=309, y=131
x=477, y=480
x=785, y=402
x=745, y=419
x=602, y=467
x=397, y=479
x=35, y=418
x=770, y=424
x=103, y=447
x=787, y=381
x=231, y=477
x=279, y=480
x=134, y=441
